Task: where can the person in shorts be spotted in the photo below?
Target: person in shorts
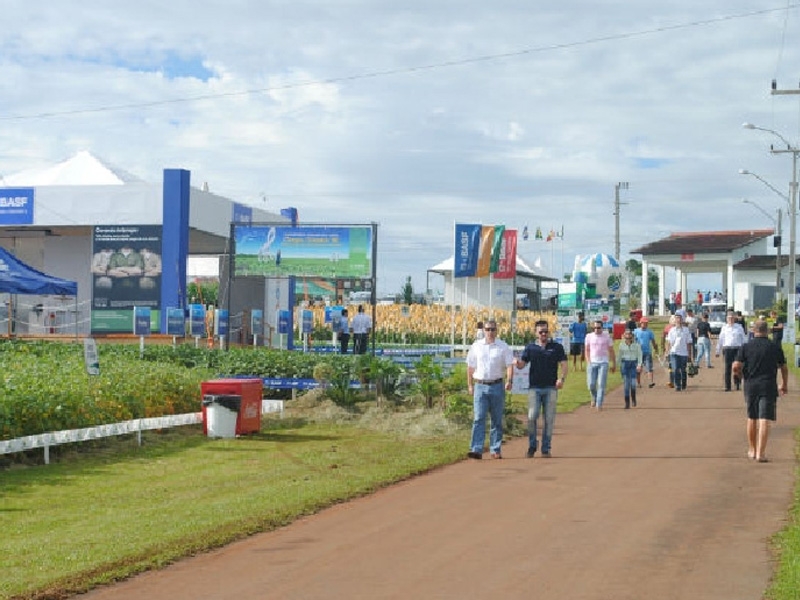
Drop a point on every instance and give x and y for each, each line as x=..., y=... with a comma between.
x=577, y=336
x=757, y=362
x=647, y=340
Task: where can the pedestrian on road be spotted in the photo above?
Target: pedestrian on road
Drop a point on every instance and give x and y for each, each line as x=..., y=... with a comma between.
x=488, y=360
x=600, y=357
x=361, y=325
x=731, y=337
x=344, y=332
x=647, y=341
x=758, y=362
x=679, y=341
x=577, y=339
x=545, y=357
x=703, y=342
x=629, y=357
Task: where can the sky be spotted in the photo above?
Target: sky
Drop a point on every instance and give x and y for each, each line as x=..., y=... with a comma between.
x=417, y=115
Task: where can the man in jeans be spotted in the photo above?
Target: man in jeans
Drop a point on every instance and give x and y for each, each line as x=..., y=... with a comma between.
x=544, y=356
x=600, y=357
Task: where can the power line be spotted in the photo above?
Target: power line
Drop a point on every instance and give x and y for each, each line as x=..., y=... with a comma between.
x=404, y=70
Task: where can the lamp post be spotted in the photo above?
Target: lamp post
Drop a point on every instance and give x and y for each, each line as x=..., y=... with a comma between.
x=792, y=303
x=777, y=224
x=622, y=185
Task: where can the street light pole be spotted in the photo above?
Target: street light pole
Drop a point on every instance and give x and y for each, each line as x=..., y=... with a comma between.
x=622, y=185
x=778, y=232
x=789, y=332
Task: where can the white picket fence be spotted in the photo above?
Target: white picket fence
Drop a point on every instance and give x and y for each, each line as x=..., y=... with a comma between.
x=137, y=426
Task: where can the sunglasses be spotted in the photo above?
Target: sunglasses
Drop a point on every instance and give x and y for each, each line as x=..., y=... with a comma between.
x=543, y=331
x=490, y=328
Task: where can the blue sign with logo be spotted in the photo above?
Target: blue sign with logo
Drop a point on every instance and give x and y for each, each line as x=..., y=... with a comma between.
x=221, y=322
x=257, y=321
x=141, y=320
x=283, y=321
x=176, y=322
x=16, y=206
x=308, y=321
x=242, y=213
x=197, y=320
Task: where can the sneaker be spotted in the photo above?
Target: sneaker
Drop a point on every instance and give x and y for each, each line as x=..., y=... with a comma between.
x=546, y=455
x=710, y=367
x=531, y=452
x=496, y=455
x=475, y=455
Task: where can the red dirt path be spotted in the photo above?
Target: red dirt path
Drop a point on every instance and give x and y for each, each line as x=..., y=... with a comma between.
x=657, y=502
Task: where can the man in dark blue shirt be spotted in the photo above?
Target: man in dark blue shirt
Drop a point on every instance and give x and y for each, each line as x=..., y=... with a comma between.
x=544, y=356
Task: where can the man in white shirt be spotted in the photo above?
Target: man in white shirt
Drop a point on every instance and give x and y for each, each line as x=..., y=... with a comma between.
x=488, y=360
x=361, y=325
x=679, y=340
x=731, y=337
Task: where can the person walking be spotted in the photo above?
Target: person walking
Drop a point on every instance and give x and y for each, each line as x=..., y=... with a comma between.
x=545, y=357
x=361, y=325
x=731, y=338
x=679, y=341
x=778, y=322
x=629, y=361
x=487, y=360
x=600, y=357
x=758, y=362
x=344, y=332
x=647, y=342
x=577, y=340
x=703, y=342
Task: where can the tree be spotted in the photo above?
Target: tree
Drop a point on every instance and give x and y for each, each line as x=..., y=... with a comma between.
x=408, y=291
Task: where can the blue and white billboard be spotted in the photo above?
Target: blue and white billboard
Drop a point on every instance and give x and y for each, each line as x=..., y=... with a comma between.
x=16, y=206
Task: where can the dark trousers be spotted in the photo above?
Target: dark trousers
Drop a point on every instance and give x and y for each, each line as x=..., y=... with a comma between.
x=359, y=343
x=729, y=355
x=344, y=341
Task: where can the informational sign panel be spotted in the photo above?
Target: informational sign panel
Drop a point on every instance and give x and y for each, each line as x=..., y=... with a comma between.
x=176, y=322
x=126, y=272
x=16, y=206
x=283, y=321
x=90, y=356
x=221, y=322
x=197, y=320
x=308, y=322
x=305, y=251
x=141, y=320
x=257, y=322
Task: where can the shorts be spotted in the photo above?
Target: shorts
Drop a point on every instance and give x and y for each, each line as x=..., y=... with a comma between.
x=576, y=348
x=647, y=362
x=761, y=406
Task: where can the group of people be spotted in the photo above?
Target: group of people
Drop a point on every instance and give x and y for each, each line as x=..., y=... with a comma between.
x=359, y=327
x=490, y=366
x=109, y=265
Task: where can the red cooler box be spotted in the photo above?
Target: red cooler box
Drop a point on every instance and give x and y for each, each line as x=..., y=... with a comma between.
x=619, y=330
x=250, y=390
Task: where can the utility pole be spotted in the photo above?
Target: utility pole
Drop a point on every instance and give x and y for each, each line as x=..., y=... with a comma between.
x=622, y=185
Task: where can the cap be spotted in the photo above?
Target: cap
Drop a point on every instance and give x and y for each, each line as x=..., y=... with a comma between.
x=644, y=320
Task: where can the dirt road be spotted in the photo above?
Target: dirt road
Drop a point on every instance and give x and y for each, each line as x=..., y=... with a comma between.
x=657, y=502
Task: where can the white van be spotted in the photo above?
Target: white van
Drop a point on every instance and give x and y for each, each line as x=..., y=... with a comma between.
x=717, y=311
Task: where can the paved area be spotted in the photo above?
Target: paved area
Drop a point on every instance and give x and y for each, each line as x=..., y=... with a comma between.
x=656, y=502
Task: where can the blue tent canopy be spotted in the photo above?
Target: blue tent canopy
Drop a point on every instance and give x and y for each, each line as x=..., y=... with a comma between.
x=18, y=278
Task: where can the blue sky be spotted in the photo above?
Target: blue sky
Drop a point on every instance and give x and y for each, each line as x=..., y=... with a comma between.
x=415, y=115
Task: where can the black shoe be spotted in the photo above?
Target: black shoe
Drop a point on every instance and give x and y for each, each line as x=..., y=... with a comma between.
x=709, y=367
x=737, y=387
x=531, y=452
x=546, y=455
x=475, y=455
x=651, y=385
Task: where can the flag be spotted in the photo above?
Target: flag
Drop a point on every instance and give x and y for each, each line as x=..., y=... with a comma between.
x=467, y=245
x=508, y=256
x=525, y=233
x=485, y=251
x=551, y=236
x=496, y=247
x=539, y=233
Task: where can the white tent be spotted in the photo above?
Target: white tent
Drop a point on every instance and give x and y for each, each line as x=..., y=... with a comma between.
x=489, y=291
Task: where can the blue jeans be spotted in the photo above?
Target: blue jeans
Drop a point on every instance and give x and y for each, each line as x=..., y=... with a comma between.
x=703, y=349
x=596, y=376
x=678, y=365
x=629, y=378
x=489, y=399
x=541, y=400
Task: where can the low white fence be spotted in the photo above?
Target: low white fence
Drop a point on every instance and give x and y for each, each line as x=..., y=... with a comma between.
x=69, y=436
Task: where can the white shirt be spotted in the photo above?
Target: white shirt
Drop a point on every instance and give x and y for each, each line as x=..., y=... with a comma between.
x=679, y=340
x=731, y=336
x=361, y=323
x=490, y=361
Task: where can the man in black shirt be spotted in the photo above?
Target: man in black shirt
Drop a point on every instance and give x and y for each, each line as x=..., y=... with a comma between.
x=758, y=362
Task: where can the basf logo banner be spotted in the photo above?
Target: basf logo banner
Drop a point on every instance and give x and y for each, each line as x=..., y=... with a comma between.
x=16, y=206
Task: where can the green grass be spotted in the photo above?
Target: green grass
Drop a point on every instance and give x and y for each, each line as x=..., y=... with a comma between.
x=110, y=514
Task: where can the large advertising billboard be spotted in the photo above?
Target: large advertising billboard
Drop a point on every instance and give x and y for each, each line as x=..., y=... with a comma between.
x=334, y=251
x=126, y=272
